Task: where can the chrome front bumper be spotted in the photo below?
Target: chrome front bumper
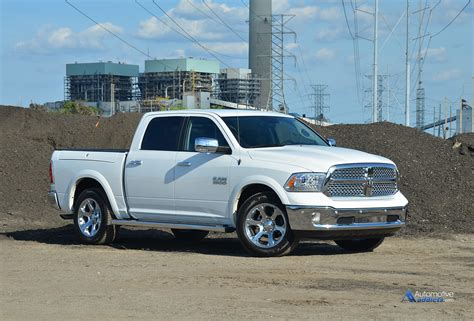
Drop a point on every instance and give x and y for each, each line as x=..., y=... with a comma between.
x=312, y=218
x=53, y=199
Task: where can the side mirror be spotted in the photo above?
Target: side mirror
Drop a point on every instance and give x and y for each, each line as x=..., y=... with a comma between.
x=331, y=142
x=206, y=145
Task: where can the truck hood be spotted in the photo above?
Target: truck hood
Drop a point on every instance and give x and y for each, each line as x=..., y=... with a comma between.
x=315, y=158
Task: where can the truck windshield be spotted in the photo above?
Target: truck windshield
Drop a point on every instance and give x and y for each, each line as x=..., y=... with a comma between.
x=272, y=131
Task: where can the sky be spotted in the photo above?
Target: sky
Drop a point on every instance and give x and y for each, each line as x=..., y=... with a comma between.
x=38, y=38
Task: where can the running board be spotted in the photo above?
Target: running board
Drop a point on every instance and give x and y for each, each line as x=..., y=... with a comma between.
x=212, y=228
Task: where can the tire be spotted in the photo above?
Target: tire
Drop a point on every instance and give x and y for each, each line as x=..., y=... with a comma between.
x=93, y=218
x=189, y=235
x=360, y=245
x=263, y=227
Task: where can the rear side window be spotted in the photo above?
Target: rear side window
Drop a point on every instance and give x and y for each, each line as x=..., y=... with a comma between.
x=163, y=133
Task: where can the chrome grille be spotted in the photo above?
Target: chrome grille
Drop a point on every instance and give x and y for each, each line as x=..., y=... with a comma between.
x=362, y=180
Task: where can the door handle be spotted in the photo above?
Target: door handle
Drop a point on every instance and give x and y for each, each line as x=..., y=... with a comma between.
x=185, y=164
x=135, y=163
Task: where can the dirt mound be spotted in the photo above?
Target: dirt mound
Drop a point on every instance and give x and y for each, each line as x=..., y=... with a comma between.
x=436, y=178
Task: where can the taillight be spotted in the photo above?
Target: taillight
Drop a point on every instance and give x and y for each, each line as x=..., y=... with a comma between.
x=51, y=177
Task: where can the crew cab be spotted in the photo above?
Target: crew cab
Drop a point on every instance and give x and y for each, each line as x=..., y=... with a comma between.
x=267, y=176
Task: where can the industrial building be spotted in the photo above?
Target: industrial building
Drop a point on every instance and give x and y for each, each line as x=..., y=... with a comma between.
x=101, y=82
x=239, y=86
x=173, y=78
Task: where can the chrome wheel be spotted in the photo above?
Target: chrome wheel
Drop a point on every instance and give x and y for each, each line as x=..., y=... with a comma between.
x=265, y=225
x=89, y=217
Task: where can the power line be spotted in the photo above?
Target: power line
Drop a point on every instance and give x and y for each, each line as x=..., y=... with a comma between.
x=182, y=34
x=347, y=22
x=108, y=30
x=224, y=23
x=459, y=13
x=189, y=35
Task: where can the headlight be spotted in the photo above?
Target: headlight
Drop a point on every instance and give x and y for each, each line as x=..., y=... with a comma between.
x=305, y=182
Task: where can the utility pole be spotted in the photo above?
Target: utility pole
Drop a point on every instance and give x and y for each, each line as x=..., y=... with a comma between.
x=420, y=91
x=445, y=117
x=375, y=71
x=434, y=121
x=439, y=118
x=407, y=71
x=319, y=101
x=112, y=99
x=460, y=118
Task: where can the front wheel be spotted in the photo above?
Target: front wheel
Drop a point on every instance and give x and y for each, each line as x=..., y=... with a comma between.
x=360, y=245
x=263, y=227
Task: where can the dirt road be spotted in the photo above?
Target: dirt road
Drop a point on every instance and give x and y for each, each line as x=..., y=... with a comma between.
x=145, y=275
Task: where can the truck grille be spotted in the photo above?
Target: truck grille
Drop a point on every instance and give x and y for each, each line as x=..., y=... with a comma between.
x=362, y=180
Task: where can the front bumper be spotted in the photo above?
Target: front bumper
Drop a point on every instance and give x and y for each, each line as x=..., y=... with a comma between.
x=53, y=199
x=312, y=218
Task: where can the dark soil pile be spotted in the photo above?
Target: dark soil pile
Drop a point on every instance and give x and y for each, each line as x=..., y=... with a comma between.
x=435, y=177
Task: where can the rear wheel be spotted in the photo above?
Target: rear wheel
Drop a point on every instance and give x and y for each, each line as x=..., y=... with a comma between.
x=189, y=235
x=360, y=245
x=93, y=217
x=263, y=227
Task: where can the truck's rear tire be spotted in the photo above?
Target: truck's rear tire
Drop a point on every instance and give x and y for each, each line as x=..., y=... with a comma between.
x=263, y=227
x=189, y=235
x=360, y=245
x=93, y=218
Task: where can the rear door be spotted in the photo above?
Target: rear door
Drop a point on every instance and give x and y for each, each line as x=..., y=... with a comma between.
x=149, y=171
x=201, y=179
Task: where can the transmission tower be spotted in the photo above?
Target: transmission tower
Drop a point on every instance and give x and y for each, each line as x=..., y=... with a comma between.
x=380, y=94
x=420, y=106
x=276, y=100
x=320, y=106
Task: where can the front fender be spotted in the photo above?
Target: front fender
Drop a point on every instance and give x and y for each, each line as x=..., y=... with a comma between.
x=249, y=180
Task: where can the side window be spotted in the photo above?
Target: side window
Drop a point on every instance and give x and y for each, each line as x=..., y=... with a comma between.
x=202, y=127
x=162, y=133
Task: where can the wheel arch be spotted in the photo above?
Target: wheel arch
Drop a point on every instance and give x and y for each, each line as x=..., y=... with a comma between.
x=250, y=187
x=91, y=179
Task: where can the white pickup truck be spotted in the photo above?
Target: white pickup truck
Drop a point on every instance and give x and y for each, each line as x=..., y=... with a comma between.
x=267, y=176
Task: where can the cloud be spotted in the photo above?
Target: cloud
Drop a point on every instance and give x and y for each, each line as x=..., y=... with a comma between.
x=194, y=9
x=325, y=54
x=291, y=45
x=448, y=74
x=436, y=54
x=49, y=39
x=310, y=12
x=329, y=34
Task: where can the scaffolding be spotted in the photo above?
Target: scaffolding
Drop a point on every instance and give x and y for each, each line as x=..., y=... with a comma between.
x=95, y=88
x=172, y=84
x=238, y=86
x=101, y=82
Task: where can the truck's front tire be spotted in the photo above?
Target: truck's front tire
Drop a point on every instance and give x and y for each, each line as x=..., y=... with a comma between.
x=360, y=245
x=263, y=227
x=93, y=218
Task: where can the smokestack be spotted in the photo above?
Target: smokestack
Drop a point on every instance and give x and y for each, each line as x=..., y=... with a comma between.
x=260, y=46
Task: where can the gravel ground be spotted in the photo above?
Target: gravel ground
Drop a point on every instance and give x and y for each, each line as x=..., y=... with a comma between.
x=147, y=276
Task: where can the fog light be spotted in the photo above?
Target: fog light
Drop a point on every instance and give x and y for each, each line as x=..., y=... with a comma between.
x=315, y=218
